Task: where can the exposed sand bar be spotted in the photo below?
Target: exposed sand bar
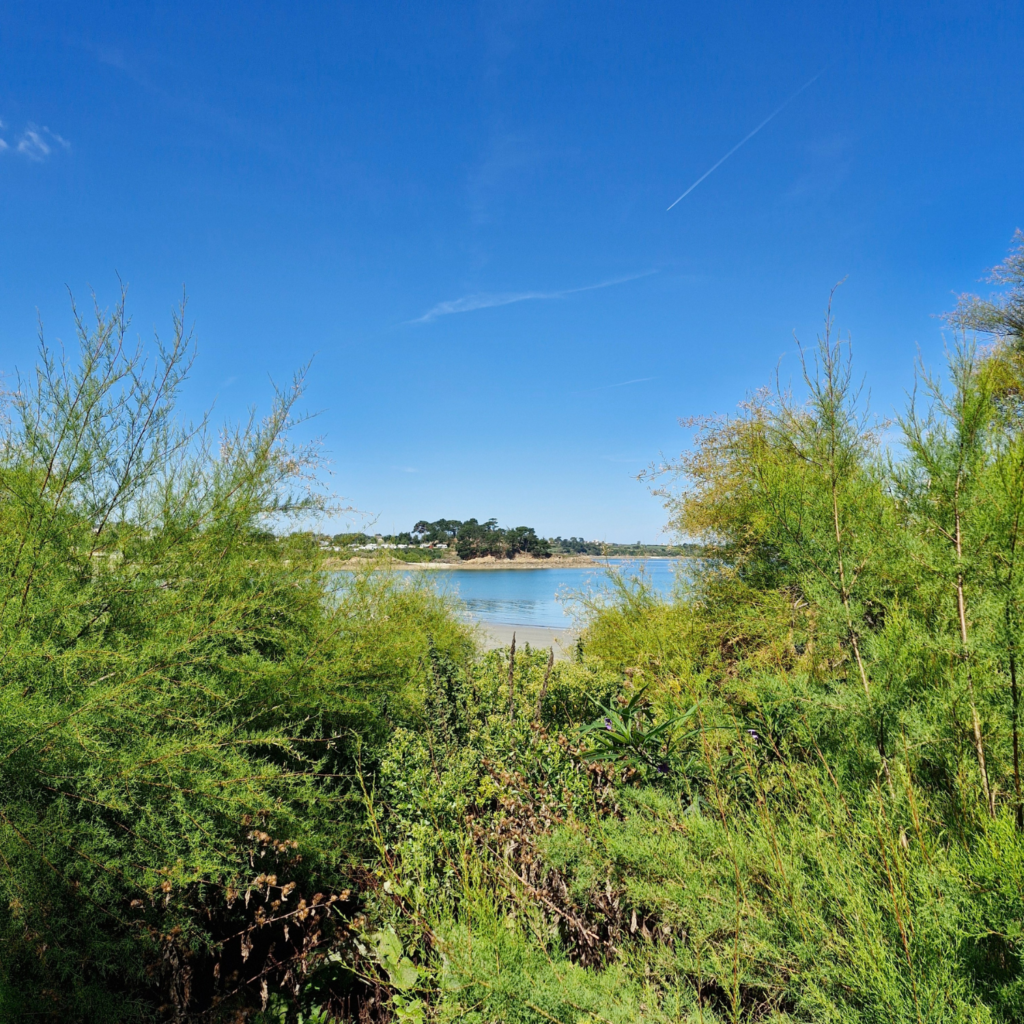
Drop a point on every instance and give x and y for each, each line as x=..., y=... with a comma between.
x=498, y=634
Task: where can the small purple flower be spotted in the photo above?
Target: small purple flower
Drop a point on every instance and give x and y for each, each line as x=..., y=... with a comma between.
x=608, y=724
x=752, y=733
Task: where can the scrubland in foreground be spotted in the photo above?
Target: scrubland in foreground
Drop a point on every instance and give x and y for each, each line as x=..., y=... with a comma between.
x=230, y=792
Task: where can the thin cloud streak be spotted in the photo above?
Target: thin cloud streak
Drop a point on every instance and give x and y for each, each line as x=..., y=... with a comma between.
x=468, y=303
x=778, y=110
x=606, y=387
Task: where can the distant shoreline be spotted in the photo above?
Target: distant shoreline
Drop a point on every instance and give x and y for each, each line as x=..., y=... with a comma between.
x=491, y=563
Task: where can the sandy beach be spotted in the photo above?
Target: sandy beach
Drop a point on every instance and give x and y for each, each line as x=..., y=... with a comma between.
x=498, y=634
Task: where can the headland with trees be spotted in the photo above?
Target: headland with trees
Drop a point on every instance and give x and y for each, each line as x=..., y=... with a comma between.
x=446, y=541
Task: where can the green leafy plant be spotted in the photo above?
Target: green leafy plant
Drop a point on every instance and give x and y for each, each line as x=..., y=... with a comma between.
x=403, y=975
x=628, y=734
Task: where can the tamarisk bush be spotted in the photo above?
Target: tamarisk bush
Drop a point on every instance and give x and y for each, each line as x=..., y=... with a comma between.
x=233, y=787
x=179, y=689
x=843, y=839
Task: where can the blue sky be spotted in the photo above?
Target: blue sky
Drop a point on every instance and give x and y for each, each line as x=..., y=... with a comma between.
x=460, y=212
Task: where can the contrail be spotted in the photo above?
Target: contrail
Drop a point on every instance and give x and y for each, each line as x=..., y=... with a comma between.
x=605, y=387
x=747, y=138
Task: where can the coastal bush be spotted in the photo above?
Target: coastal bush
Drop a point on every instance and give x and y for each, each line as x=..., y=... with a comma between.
x=768, y=883
x=234, y=786
x=182, y=696
x=844, y=840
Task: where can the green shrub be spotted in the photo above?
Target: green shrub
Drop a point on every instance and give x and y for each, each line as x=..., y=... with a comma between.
x=181, y=696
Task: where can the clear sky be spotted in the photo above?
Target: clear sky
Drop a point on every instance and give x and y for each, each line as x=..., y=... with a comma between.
x=460, y=211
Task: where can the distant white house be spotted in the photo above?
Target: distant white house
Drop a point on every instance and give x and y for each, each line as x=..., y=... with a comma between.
x=381, y=546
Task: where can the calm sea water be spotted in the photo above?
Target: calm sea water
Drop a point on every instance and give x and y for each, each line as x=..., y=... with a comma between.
x=543, y=597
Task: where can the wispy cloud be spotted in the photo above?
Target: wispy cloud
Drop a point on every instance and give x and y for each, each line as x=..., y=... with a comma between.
x=468, y=303
x=506, y=168
x=35, y=143
x=38, y=143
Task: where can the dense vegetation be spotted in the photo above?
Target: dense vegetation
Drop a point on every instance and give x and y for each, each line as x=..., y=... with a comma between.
x=231, y=790
x=468, y=539
x=473, y=539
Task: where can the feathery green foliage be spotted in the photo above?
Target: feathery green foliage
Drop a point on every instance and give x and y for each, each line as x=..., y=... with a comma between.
x=180, y=692
x=233, y=787
x=846, y=842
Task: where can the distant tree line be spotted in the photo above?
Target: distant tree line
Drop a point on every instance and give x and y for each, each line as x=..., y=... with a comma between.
x=577, y=546
x=473, y=539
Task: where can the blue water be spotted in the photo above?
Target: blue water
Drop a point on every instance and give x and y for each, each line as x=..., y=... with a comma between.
x=543, y=597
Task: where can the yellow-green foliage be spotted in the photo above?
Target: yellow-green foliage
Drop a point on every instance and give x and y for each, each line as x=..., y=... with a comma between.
x=497, y=969
x=845, y=839
x=234, y=786
x=783, y=878
x=384, y=625
x=182, y=696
